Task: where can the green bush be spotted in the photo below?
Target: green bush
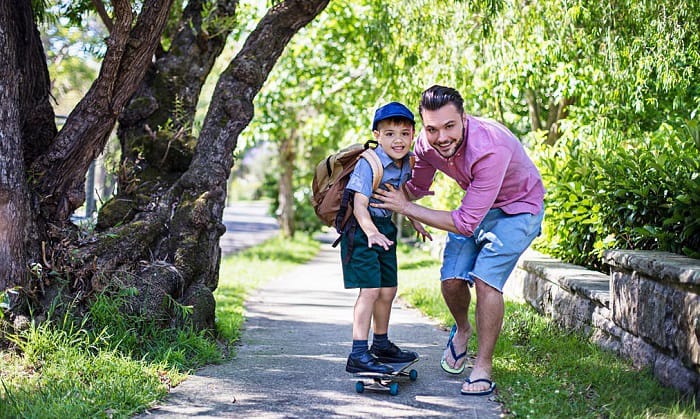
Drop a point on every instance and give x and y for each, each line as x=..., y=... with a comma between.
x=605, y=191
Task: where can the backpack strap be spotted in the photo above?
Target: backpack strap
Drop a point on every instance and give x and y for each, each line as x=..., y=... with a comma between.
x=377, y=169
x=345, y=222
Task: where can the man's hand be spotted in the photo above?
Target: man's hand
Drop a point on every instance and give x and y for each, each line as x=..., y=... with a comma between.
x=421, y=232
x=392, y=199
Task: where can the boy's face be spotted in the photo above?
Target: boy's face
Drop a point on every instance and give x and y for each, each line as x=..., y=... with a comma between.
x=395, y=138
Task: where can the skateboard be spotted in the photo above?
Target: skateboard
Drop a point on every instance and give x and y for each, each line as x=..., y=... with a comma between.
x=386, y=382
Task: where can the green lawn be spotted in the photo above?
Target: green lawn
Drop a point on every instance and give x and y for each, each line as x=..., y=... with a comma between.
x=543, y=371
x=107, y=364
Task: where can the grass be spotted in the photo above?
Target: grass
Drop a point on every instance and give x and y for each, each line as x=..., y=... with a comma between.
x=107, y=364
x=543, y=371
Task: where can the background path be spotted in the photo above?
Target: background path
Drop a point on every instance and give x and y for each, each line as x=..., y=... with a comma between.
x=291, y=360
x=247, y=224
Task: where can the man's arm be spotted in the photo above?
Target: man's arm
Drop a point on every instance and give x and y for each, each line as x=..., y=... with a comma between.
x=395, y=200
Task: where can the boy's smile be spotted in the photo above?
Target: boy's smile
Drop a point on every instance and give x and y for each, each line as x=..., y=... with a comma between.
x=394, y=138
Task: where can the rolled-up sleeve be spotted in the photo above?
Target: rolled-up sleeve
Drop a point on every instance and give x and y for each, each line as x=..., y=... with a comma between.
x=421, y=179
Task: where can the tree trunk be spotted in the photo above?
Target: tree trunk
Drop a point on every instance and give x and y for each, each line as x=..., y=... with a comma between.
x=155, y=130
x=26, y=125
x=286, y=193
x=533, y=108
x=557, y=111
x=160, y=233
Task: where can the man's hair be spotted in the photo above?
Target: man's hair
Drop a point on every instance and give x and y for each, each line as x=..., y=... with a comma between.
x=435, y=97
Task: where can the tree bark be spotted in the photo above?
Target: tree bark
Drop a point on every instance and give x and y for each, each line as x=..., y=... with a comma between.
x=26, y=125
x=533, y=108
x=287, y=158
x=202, y=189
x=155, y=130
x=59, y=174
x=557, y=111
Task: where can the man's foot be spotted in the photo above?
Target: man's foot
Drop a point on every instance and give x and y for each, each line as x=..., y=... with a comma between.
x=393, y=354
x=478, y=387
x=366, y=363
x=452, y=360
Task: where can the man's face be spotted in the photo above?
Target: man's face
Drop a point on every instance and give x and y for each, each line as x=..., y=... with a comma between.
x=444, y=129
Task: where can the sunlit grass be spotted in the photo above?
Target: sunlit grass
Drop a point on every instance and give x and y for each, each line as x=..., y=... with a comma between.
x=543, y=371
x=64, y=370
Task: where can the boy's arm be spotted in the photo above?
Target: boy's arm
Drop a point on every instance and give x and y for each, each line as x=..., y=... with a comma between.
x=361, y=213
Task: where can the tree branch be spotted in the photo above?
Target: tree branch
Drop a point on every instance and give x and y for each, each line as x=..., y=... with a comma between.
x=231, y=107
x=102, y=12
x=60, y=172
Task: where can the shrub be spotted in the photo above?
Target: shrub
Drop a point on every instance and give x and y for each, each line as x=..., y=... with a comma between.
x=606, y=191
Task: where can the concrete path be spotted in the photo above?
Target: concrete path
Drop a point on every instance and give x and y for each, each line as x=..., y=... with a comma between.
x=291, y=360
x=247, y=224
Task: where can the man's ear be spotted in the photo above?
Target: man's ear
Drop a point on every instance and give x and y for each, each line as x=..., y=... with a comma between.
x=376, y=134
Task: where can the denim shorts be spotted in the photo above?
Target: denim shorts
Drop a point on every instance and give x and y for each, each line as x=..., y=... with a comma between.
x=369, y=267
x=493, y=251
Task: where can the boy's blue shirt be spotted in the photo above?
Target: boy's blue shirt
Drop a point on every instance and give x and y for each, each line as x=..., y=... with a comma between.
x=361, y=178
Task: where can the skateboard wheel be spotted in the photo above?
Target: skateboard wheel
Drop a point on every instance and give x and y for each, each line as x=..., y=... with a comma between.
x=359, y=386
x=413, y=375
x=394, y=389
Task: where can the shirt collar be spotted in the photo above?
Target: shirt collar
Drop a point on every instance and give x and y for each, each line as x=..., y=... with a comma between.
x=385, y=159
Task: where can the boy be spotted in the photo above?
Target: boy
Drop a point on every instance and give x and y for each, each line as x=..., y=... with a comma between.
x=369, y=252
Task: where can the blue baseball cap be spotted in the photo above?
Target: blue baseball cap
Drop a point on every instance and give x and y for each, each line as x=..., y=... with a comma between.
x=391, y=110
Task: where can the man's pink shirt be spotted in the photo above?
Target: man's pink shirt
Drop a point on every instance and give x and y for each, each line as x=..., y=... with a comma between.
x=491, y=166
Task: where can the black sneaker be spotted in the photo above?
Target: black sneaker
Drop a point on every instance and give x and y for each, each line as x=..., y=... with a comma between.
x=392, y=354
x=366, y=363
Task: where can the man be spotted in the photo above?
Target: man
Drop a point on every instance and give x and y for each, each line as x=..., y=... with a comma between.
x=499, y=216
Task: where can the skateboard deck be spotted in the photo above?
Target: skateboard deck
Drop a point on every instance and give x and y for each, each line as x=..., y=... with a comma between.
x=386, y=382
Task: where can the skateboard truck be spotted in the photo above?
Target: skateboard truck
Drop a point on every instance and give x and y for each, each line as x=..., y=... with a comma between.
x=386, y=382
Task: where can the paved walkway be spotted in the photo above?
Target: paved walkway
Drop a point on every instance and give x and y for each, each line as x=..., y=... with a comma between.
x=291, y=360
x=247, y=224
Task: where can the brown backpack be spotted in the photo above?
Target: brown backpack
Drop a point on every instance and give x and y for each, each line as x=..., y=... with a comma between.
x=329, y=198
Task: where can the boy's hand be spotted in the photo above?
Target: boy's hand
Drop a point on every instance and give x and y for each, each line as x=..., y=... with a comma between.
x=379, y=239
x=421, y=232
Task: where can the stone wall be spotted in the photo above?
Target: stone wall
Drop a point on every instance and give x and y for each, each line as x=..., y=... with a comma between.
x=647, y=309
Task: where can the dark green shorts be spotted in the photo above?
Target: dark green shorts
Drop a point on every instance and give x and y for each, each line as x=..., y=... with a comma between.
x=369, y=267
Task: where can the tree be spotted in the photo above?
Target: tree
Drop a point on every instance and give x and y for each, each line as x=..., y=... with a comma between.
x=159, y=234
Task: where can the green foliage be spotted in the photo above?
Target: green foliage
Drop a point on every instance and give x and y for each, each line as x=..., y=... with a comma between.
x=39, y=9
x=542, y=370
x=143, y=338
x=606, y=191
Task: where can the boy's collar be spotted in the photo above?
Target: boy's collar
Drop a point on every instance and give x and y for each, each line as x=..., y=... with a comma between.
x=385, y=159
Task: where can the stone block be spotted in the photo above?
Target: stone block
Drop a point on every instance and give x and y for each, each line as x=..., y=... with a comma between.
x=670, y=372
x=662, y=311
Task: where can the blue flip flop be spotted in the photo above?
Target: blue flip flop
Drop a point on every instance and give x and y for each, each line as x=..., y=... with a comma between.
x=492, y=387
x=443, y=363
